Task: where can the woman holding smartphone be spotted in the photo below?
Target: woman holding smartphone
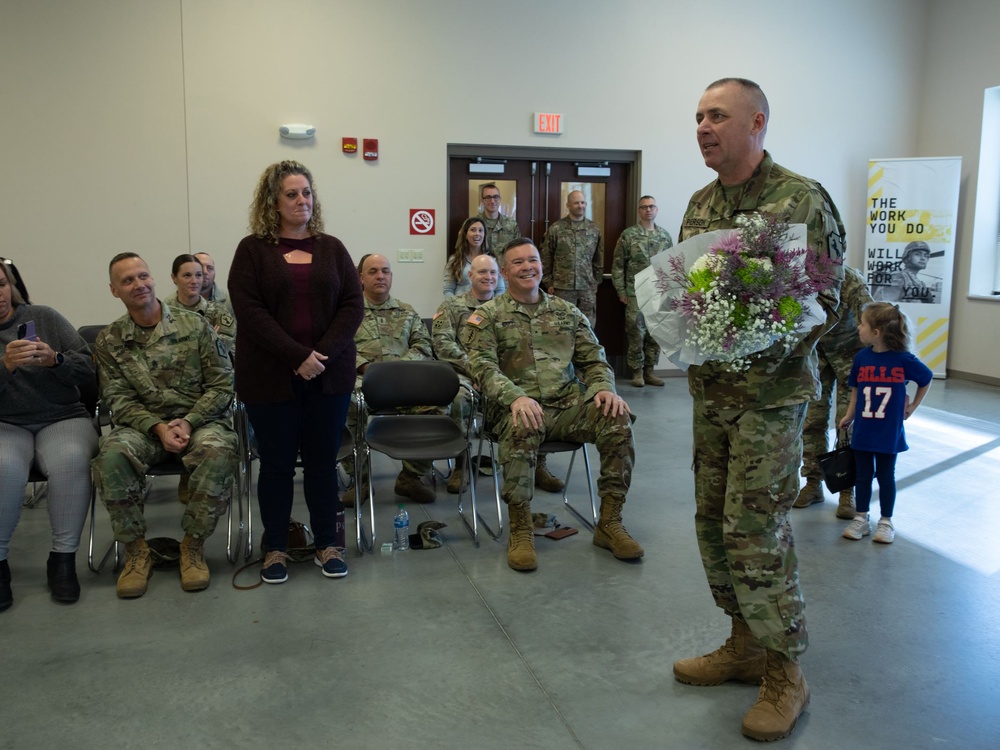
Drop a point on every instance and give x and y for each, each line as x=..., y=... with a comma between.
x=43, y=422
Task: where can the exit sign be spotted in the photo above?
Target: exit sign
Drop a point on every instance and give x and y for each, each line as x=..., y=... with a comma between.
x=546, y=122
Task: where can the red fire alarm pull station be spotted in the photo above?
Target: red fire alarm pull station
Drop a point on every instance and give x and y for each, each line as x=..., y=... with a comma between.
x=350, y=145
x=371, y=149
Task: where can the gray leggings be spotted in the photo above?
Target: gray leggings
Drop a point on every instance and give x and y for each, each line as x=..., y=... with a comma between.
x=63, y=451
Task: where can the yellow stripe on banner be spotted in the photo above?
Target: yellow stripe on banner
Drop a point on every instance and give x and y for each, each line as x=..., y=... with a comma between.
x=876, y=176
x=932, y=341
x=932, y=364
x=925, y=329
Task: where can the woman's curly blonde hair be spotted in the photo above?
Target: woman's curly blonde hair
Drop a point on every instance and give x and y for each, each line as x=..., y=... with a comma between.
x=264, y=218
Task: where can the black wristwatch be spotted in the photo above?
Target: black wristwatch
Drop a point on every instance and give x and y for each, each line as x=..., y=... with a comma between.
x=59, y=359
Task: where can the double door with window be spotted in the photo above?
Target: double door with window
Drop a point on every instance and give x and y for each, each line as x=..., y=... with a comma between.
x=534, y=191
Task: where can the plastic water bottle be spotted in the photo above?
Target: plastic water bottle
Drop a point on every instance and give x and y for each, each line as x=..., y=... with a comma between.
x=401, y=522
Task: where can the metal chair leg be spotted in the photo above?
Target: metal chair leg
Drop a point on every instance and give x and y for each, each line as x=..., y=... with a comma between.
x=472, y=527
x=113, y=547
x=590, y=524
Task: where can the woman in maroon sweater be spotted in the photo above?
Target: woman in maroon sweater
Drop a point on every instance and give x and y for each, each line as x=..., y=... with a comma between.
x=298, y=303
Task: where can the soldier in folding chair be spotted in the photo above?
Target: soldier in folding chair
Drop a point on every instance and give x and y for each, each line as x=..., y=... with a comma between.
x=538, y=358
x=167, y=380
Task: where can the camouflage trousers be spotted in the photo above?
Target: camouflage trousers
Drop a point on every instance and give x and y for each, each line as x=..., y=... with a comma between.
x=120, y=469
x=584, y=299
x=834, y=370
x=414, y=467
x=642, y=350
x=745, y=480
x=582, y=423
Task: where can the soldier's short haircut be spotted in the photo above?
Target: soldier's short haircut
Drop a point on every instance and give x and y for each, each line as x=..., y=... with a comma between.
x=751, y=89
x=516, y=243
x=119, y=258
x=647, y=198
x=487, y=185
x=361, y=263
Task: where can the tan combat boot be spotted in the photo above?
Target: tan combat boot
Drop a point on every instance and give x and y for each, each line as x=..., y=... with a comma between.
x=137, y=570
x=409, y=485
x=846, y=509
x=783, y=695
x=610, y=534
x=650, y=378
x=521, y=538
x=194, y=569
x=638, y=381
x=741, y=658
x=810, y=494
x=347, y=499
x=457, y=479
x=544, y=479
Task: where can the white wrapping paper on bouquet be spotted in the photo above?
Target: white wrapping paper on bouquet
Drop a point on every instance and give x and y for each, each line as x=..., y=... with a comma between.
x=670, y=327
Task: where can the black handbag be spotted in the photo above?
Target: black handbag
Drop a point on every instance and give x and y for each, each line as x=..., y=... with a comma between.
x=838, y=465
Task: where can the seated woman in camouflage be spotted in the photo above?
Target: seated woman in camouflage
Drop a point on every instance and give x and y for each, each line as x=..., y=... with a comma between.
x=187, y=275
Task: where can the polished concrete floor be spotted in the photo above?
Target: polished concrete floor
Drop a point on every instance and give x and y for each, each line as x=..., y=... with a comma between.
x=448, y=648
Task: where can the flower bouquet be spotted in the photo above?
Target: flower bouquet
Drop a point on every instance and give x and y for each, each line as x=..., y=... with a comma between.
x=730, y=295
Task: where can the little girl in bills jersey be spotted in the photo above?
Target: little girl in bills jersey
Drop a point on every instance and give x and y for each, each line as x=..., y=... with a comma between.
x=878, y=406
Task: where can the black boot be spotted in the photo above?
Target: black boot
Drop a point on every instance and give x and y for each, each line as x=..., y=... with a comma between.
x=6, y=595
x=63, y=583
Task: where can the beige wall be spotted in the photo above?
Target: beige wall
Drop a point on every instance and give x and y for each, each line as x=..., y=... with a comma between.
x=144, y=126
x=962, y=60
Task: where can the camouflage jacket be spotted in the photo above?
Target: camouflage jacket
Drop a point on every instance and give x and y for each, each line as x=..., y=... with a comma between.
x=775, y=378
x=499, y=232
x=905, y=286
x=389, y=331
x=219, y=297
x=572, y=255
x=449, y=320
x=632, y=253
x=182, y=371
x=549, y=354
x=218, y=315
x=854, y=295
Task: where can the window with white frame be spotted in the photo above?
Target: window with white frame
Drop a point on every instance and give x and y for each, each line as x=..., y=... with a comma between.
x=984, y=281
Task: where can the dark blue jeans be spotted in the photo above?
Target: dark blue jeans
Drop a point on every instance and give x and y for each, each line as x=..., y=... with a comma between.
x=309, y=425
x=882, y=467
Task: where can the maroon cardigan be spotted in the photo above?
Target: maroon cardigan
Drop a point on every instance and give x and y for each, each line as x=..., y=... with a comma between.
x=260, y=289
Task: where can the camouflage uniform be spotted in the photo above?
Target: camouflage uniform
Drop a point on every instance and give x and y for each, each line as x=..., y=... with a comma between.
x=219, y=297
x=748, y=427
x=390, y=331
x=178, y=370
x=449, y=320
x=221, y=318
x=572, y=256
x=836, y=350
x=549, y=354
x=500, y=231
x=906, y=286
x=632, y=253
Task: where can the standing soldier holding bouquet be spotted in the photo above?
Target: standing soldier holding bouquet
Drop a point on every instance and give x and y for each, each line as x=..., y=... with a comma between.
x=748, y=426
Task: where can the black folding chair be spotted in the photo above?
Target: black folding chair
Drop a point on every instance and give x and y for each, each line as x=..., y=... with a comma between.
x=390, y=386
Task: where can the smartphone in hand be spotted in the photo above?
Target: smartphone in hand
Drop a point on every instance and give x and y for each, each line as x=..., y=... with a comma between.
x=27, y=331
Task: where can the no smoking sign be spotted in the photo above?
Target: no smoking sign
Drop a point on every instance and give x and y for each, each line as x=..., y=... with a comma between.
x=421, y=221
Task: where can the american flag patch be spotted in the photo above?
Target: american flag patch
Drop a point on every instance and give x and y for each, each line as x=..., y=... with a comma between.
x=475, y=319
